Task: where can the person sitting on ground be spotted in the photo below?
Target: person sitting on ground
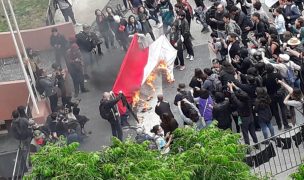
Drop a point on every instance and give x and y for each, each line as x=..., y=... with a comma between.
x=162, y=145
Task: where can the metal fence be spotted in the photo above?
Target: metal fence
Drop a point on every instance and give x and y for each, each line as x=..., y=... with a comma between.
x=278, y=154
x=50, y=13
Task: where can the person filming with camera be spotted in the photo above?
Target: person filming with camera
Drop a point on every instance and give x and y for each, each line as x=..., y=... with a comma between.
x=109, y=112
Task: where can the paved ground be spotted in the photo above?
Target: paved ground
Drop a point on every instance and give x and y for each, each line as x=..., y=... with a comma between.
x=108, y=68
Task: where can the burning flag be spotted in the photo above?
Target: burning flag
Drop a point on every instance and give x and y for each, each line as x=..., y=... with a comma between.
x=138, y=64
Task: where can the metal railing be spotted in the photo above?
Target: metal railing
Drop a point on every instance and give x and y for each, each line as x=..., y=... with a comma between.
x=50, y=13
x=22, y=160
x=279, y=153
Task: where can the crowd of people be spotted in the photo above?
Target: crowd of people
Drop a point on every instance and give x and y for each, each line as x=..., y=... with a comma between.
x=257, y=65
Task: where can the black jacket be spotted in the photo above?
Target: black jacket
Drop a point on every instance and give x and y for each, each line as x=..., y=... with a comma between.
x=244, y=108
x=269, y=80
x=58, y=40
x=85, y=42
x=234, y=50
x=222, y=112
x=163, y=107
x=107, y=109
x=220, y=24
x=259, y=29
x=243, y=21
x=170, y=127
x=183, y=27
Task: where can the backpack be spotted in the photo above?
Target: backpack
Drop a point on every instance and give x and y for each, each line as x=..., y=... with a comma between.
x=20, y=129
x=39, y=87
x=104, y=112
x=217, y=85
x=291, y=77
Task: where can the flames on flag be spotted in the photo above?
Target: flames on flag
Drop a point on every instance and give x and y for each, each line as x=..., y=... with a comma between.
x=137, y=101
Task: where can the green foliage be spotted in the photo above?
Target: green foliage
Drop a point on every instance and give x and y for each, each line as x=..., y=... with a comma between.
x=199, y=155
x=60, y=161
x=299, y=175
x=29, y=14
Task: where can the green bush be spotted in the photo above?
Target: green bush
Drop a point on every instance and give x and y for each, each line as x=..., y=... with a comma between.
x=299, y=175
x=207, y=154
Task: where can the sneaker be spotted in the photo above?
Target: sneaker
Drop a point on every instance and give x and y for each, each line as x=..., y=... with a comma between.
x=85, y=81
x=160, y=25
x=188, y=56
x=78, y=24
x=176, y=66
x=182, y=68
x=287, y=127
x=191, y=58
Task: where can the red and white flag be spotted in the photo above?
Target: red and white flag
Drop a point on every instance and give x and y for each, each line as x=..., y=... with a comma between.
x=139, y=63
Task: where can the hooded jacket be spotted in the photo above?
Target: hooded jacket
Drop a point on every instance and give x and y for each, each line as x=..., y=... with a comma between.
x=209, y=82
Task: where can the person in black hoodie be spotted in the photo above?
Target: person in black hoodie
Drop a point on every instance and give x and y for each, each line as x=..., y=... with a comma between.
x=184, y=29
x=168, y=123
x=196, y=81
x=222, y=111
x=108, y=111
x=227, y=73
x=244, y=109
x=242, y=62
x=258, y=26
x=277, y=96
x=176, y=42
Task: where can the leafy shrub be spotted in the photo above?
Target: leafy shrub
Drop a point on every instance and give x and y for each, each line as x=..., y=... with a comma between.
x=299, y=175
x=207, y=154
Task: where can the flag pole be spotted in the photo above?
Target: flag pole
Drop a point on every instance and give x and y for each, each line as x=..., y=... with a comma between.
x=23, y=48
x=20, y=59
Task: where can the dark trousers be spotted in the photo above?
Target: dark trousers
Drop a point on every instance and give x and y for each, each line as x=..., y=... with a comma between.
x=153, y=15
x=66, y=100
x=108, y=38
x=116, y=128
x=180, y=57
x=53, y=102
x=78, y=81
x=152, y=35
x=188, y=45
x=275, y=101
x=68, y=13
x=248, y=126
x=125, y=3
x=59, y=55
x=235, y=119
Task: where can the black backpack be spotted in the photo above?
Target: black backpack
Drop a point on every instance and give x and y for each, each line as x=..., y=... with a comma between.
x=20, y=129
x=39, y=87
x=105, y=113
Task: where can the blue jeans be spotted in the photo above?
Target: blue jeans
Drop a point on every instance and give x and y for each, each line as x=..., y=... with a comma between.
x=264, y=126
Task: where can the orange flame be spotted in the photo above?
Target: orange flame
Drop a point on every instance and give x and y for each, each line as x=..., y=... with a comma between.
x=164, y=67
x=150, y=80
x=136, y=98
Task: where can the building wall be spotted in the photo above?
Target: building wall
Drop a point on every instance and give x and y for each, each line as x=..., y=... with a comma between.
x=38, y=39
